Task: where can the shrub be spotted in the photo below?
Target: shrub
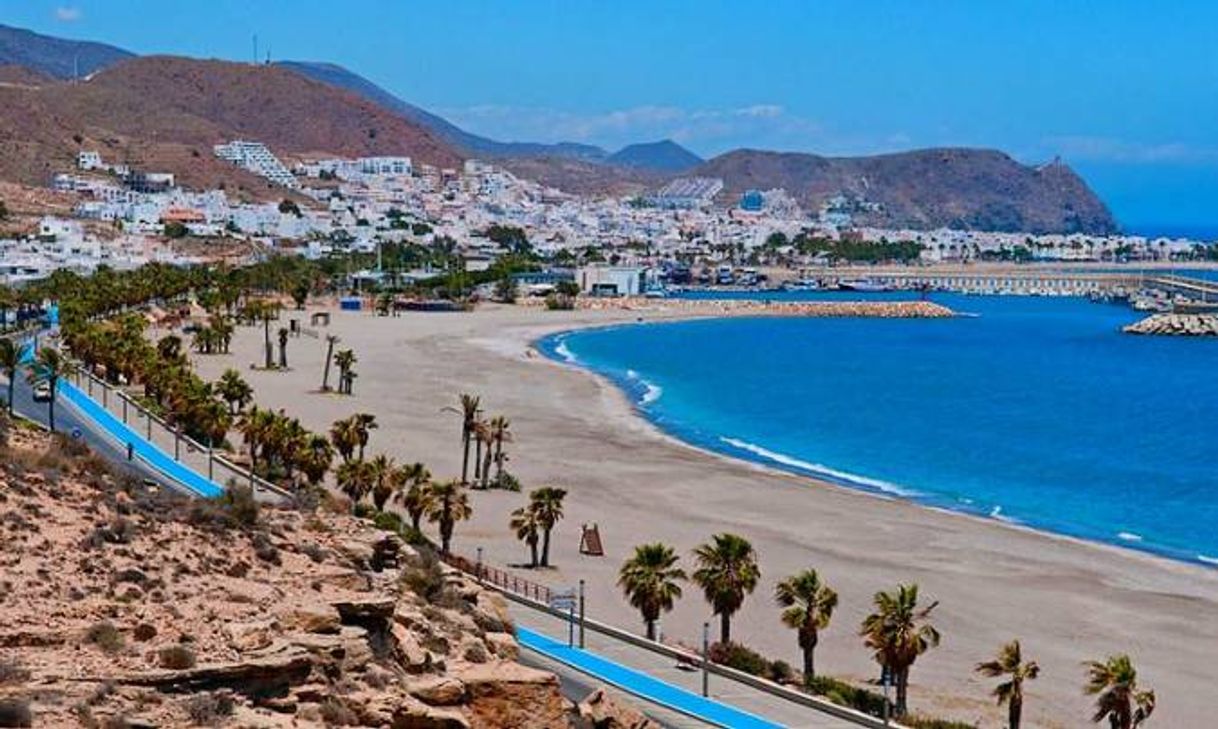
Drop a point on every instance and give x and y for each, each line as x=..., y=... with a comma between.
x=388, y=521
x=105, y=636
x=176, y=657
x=265, y=550
x=15, y=712
x=239, y=504
x=209, y=709
x=741, y=658
x=506, y=481
x=144, y=632
x=844, y=694
x=334, y=712
x=560, y=302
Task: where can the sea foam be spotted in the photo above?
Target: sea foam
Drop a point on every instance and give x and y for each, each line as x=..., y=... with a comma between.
x=816, y=469
x=651, y=391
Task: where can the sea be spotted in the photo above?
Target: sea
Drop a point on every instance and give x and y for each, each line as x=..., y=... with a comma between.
x=1026, y=410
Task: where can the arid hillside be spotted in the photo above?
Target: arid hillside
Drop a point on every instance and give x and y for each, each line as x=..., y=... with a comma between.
x=953, y=187
x=165, y=113
x=124, y=607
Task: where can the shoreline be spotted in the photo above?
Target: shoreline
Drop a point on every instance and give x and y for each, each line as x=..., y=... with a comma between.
x=815, y=479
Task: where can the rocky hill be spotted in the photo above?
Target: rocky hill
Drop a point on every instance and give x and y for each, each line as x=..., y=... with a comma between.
x=957, y=188
x=662, y=156
x=165, y=113
x=56, y=57
x=124, y=607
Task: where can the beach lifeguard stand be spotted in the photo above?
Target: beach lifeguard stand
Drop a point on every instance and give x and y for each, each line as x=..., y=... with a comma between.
x=590, y=541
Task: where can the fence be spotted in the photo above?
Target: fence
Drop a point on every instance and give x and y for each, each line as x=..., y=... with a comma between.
x=503, y=579
x=169, y=439
x=523, y=591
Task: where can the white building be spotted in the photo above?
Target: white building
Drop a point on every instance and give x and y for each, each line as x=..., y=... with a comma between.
x=603, y=280
x=255, y=157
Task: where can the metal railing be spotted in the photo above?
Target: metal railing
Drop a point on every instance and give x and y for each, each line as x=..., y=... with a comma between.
x=169, y=438
x=522, y=591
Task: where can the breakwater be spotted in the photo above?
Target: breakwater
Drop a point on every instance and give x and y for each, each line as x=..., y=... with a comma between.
x=1178, y=325
x=760, y=307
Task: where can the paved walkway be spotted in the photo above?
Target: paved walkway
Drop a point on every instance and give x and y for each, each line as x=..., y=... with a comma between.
x=773, y=710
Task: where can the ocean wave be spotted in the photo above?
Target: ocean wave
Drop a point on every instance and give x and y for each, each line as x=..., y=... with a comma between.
x=1129, y=536
x=1205, y=558
x=816, y=469
x=996, y=513
x=651, y=391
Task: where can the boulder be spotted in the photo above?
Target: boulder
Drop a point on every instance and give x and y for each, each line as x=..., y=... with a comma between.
x=251, y=636
x=602, y=712
x=437, y=690
x=412, y=714
x=409, y=653
x=504, y=645
x=313, y=619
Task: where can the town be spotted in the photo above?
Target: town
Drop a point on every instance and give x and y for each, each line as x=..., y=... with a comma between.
x=123, y=218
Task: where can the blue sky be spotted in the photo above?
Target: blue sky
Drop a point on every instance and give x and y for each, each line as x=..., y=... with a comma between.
x=1126, y=92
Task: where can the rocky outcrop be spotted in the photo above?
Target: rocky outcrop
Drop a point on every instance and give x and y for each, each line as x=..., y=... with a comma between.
x=1180, y=325
x=122, y=607
x=602, y=712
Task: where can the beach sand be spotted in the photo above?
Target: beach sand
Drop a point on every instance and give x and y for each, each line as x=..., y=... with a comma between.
x=1068, y=601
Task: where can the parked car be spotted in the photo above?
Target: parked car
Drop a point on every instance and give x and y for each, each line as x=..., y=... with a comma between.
x=42, y=392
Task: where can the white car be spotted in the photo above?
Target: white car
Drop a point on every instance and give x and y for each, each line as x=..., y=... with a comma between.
x=42, y=392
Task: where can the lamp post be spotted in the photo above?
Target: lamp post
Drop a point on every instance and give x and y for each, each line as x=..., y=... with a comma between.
x=706, y=659
x=581, y=613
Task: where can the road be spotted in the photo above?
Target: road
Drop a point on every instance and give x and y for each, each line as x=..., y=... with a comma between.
x=665, y=669
x=68, y=422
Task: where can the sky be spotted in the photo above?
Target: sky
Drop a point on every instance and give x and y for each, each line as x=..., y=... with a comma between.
x=1125, y=92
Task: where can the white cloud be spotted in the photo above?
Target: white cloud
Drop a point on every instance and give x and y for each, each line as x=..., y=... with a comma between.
x=67, y=14
x=707, y=130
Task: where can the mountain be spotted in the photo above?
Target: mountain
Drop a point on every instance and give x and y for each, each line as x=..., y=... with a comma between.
x=663, y=156
x=975, y=189
x=336, y=75
x=56, y=57
x=165, y=113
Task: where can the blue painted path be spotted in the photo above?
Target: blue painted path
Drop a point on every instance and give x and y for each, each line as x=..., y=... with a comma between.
x=642, y=685
x=145, y=450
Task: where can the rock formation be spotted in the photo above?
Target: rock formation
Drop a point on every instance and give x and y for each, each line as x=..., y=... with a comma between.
x=122, y=606
x=1181, y=325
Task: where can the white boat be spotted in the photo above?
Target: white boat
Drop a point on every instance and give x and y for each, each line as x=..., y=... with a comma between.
x=803, y=284
x=864, y=284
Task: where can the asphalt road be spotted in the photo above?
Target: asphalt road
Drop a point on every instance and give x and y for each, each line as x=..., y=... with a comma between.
x=67, y=421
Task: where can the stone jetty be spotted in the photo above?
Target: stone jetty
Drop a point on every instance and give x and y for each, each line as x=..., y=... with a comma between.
x=1179, y=325
x=753, y=307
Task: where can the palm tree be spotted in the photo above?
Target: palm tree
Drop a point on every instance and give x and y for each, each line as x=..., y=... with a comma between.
x=331, y=340
x=727, y=572
x=315, y=456
x=1114, y=682
x=364, y=424
x=500, y=434
x=415, y=478
x=447, y=504
x=384, y=480
x=481, y=436
x=283, y=348
x=809, y=606
x=547, y=503
x=898, y=632
x=344, y=360
x=1010, y=662
x=650, y=580
x=234, y=391
x=10, y=362
x=355, y=479
x=468, y=411
x=528, y=529
x=345, y=437
x=50, y=367
x=255, y=427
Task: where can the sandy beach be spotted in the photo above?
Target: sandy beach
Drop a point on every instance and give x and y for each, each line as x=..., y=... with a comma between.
x=1068, y=601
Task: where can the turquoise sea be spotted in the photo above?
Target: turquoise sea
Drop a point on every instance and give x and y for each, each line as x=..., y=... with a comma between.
x=1035, y=411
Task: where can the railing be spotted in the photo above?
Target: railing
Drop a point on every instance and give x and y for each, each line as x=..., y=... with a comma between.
x=505, y=580
x=521, y=591
x=170, y=439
